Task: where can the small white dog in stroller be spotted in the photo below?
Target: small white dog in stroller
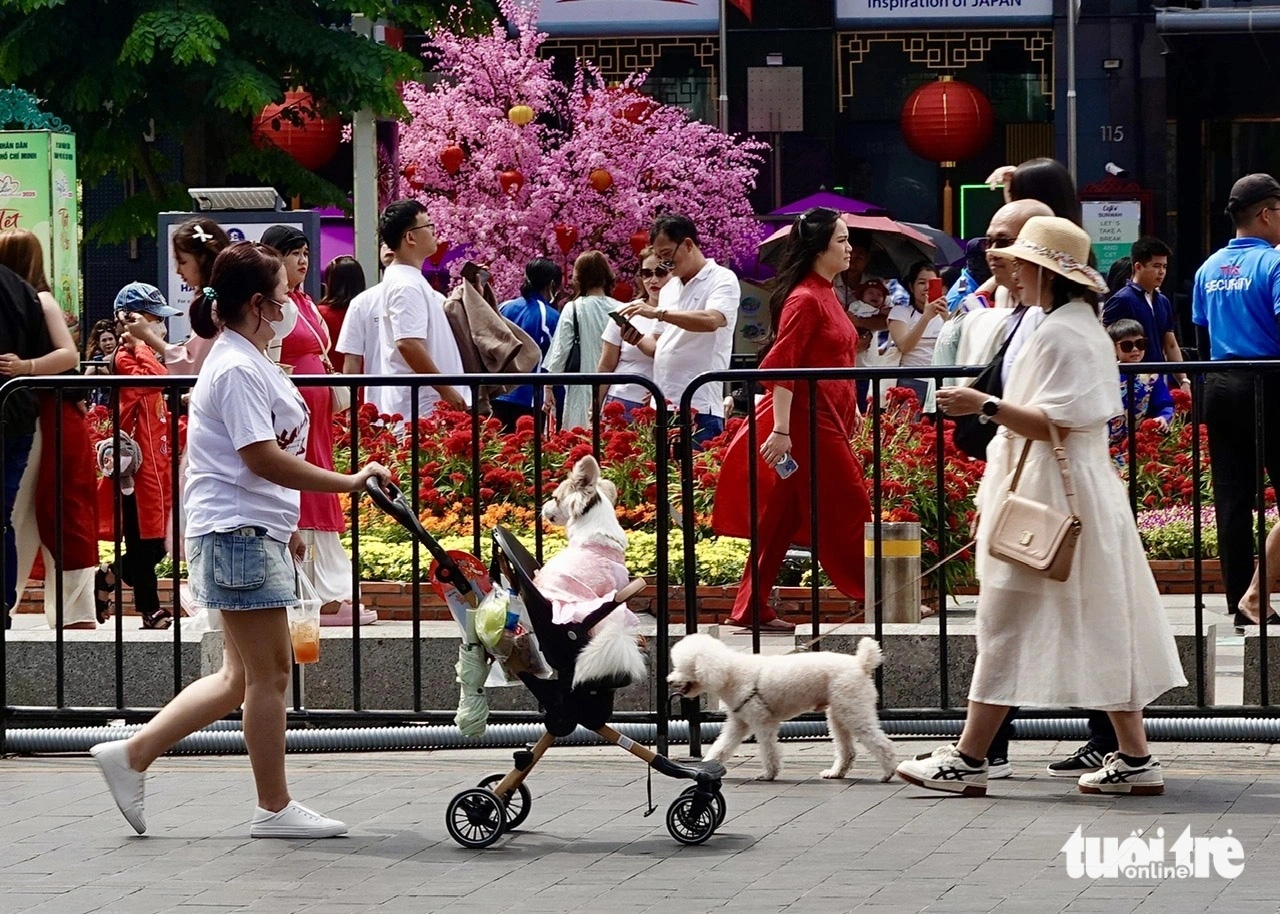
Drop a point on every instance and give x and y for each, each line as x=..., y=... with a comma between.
x=760, y=692
x=591, y=570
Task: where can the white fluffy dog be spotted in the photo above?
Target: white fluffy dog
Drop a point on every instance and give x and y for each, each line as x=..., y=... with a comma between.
x=760, y=692
x=591, y=570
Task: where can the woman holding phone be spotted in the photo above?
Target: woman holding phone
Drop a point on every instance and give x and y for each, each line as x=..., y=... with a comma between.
x=807, y=329
x=621, y=356
x=915, y=327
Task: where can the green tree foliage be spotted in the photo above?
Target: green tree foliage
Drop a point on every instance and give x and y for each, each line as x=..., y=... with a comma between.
x=123, y=73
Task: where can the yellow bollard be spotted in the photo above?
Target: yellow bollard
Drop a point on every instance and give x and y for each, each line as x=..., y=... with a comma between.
x=900, y=562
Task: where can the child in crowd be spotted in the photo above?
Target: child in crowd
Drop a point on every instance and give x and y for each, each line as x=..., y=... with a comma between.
x=146, y=496
x=1152, y=399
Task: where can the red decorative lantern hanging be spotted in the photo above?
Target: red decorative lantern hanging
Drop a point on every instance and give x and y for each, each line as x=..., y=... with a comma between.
x=566, y=238
x=451, y=158
x=600, y=179
x=312, y=143
x=639, y=241
x=623, y=291
x=947, y=121
x=511, y=181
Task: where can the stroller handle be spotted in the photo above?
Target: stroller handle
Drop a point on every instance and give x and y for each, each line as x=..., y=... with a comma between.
x=390, y=499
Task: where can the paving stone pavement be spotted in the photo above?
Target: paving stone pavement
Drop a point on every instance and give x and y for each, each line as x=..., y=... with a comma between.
x=799, y=844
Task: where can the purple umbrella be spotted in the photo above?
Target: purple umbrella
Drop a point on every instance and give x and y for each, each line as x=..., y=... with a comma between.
x=829, y=200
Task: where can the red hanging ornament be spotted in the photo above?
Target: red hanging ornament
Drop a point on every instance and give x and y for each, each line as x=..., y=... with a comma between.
x=442, y=248
x=566, y=238
x=451, y=158
x=410, y=173
x=312, y=143
x=947, y=121
x=511, y=180
x=639, y=241
x=600, y=179
x=623, y=291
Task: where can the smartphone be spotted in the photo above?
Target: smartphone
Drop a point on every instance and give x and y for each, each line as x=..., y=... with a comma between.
x=622, y=322
x=786, y=466
x=935, y=289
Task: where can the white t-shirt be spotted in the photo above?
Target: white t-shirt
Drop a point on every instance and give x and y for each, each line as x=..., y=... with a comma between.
x=1022, y=328
x=682, y=354
x=240, y=399
x=922, y=355
x=630, y=359
x=361, y=335
x=412, y=310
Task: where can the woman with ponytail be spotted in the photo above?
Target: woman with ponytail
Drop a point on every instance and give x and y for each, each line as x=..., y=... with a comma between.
x=245, y=469
x=808, y=328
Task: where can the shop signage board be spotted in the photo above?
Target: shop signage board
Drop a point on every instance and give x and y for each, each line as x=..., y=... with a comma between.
x=888, y=14
x=1114, y=225
x=239, y=226
x=628, y=17
x=38, y=193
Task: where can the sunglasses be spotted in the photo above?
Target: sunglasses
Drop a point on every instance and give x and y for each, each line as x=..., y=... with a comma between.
x=998, y=242
x=662, y=272
x=1130, y=345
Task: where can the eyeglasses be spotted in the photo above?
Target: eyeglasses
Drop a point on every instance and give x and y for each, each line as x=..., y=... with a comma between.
x=1128, y=346
x=428, y=225
x=662, y=272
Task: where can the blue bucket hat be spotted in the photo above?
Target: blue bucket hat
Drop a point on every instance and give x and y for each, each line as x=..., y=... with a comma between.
x=143, y=297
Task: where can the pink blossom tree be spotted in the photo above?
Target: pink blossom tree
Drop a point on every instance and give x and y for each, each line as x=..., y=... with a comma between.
x=592, y=168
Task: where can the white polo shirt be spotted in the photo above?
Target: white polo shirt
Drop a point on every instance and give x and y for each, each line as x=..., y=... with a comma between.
x=361, y=335
x=682, y=354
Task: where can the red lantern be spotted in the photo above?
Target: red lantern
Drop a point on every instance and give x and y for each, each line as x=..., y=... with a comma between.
x=638, y=111
x=511, y=181
x=410, y=173
x=947, y=121
x=566, y=238
x=312, y=144
x=442, y=248
x=600, y=179
x=623, y=291
x=451, y=158
x=639, y=241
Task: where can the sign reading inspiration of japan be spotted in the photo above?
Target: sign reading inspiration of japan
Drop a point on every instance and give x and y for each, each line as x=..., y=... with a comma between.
x=941, y=13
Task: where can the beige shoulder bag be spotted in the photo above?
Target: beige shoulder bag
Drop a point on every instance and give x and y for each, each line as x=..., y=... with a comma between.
x=1037, y=536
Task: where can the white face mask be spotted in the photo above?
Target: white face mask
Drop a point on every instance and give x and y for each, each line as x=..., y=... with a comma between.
x=288, y=321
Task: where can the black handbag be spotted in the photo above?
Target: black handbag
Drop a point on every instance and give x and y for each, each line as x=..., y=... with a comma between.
x=573, y=363
x=971, y=435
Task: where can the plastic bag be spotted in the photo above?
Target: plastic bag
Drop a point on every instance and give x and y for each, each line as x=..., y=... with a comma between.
x=491, y=619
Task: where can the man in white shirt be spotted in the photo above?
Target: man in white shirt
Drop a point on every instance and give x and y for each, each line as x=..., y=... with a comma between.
x=416, y=337
x=360, y=339
x=696, y=319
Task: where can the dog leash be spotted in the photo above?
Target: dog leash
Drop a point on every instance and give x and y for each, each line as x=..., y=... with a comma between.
x=912, y=583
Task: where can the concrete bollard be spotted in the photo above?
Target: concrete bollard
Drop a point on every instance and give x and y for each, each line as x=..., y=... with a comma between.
x=900, y=561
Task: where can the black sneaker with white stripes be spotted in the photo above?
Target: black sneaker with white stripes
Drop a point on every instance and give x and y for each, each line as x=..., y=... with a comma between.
x=1084, y=760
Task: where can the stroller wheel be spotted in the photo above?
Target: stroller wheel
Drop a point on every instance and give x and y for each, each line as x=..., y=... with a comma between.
x=691, y=819
x=517, y=803
x=476, y=818
x=717, y=800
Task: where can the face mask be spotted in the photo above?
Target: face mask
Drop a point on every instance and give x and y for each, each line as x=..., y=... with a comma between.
x=288, y=321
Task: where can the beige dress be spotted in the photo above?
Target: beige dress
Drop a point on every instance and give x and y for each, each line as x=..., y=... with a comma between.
x=1100, y=639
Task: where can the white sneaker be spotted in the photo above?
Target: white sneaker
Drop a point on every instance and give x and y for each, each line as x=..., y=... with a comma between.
x=998, y=768
x=125, y=784
x=294, y=821
x=1118, y=776
x=944, y=769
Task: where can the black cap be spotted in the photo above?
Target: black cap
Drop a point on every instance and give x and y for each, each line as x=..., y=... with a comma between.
x=1252, y=189
x=284, y=238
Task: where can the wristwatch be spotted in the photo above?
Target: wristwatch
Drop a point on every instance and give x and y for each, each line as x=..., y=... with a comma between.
x=990, y=407
x=662, y=314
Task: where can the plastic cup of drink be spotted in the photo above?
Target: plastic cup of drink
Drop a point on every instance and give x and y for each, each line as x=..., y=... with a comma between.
x=304, y=631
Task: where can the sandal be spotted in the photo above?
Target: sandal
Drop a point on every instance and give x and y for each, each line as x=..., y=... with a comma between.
x=104, y=588
x=160, y=619
x=773, y=625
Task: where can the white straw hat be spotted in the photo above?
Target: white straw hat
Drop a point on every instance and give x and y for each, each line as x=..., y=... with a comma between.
x=1058, y=245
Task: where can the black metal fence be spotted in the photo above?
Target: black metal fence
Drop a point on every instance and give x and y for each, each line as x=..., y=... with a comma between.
x=675, y=437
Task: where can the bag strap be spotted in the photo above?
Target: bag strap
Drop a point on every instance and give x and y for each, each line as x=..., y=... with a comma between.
x=324, y=350
x=1064, y=467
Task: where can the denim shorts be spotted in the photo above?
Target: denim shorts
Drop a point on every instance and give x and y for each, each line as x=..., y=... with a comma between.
x=240, y=569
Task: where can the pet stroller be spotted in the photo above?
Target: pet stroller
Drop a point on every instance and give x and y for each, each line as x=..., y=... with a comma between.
x=477, y=817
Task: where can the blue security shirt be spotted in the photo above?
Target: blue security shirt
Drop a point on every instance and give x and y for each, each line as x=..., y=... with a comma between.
x=1237, y=297
x=1156, y=318
x=538, y=319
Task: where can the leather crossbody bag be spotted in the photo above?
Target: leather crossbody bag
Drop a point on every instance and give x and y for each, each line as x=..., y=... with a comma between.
x=1039, y=537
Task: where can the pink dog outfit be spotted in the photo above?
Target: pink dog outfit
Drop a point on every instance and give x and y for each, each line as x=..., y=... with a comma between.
x=578, y=579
